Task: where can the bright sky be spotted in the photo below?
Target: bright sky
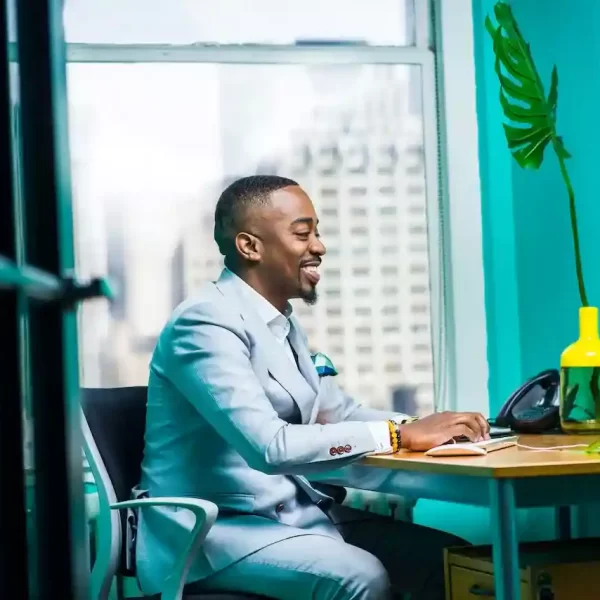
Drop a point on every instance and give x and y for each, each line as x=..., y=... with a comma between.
x=234, y=21
x=150, y=138
x=153, y=134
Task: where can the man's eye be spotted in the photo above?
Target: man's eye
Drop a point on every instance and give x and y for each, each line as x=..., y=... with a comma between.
x=303, y=234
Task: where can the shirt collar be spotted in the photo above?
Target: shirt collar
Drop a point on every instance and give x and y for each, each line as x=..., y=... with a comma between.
x=277, y=322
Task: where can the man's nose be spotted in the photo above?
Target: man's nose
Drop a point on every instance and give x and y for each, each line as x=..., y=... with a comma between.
x=317, y=247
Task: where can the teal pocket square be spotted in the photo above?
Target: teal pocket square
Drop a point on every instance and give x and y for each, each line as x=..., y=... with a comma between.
x=323, y=365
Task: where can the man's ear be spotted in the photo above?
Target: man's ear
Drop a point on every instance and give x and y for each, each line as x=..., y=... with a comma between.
x=249, y=247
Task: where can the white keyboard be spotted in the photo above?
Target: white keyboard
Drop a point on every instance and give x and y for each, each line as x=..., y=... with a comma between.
x=496, y=431
x=473, y=448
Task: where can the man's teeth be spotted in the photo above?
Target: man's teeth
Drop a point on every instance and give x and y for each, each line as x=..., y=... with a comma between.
x=311, y=269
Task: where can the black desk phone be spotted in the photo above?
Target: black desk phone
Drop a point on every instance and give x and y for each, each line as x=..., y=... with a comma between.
x=534, y=406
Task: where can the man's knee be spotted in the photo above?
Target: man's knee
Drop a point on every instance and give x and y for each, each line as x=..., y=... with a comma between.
x=366, y=579
x=378, y=585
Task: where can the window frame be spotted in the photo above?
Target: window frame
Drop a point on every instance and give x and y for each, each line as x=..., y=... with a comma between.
x=465, y=305
x=450, y=305
x=40, y=453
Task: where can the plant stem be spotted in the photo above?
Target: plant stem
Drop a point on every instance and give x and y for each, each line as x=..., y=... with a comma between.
x=594, y=388
x=578, y=266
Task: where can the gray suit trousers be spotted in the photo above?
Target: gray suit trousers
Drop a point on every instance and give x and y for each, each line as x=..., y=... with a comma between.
x=376, y=558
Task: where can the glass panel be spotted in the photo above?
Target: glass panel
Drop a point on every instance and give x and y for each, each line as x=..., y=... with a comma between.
x=376, y=22
x=9, y=228
x=45, y=337
x=153, y=145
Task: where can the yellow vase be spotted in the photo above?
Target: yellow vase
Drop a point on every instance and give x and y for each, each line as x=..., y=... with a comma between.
x=580, y=377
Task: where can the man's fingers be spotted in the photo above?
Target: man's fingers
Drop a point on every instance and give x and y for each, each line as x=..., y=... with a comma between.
x=482, y=423
x=464, y=429
x=485, y=426
x=473, y=423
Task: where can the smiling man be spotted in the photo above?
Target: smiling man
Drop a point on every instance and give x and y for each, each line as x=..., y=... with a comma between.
x=270, y=238
x=239, y=414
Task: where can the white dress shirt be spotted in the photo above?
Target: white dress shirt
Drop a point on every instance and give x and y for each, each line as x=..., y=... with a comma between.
x=279, y=326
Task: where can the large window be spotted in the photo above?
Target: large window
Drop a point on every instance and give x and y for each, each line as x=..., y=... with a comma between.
x=377, y=22
x=158, y=131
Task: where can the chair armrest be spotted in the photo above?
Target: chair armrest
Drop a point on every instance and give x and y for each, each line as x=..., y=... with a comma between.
x=205, y=513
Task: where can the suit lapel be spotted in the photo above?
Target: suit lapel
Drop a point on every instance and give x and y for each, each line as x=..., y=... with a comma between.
x=307, y=368
x=278, y=363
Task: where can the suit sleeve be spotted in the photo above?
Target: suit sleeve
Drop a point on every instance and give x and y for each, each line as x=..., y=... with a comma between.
x=338, y=407
x=210, y=365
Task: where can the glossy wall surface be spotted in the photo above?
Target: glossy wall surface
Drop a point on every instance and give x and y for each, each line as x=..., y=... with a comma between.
x=531, y=290
x=533, y=316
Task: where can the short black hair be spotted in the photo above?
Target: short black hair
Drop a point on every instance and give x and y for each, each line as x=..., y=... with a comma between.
x=234, y=203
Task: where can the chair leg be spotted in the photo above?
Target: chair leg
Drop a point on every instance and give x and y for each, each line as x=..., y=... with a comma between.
x=129, y=588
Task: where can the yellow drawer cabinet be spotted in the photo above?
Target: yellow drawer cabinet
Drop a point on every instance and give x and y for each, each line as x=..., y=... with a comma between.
x=558, y=570
x=469, y=585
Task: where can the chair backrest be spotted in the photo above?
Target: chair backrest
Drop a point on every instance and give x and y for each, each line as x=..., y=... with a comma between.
x=113, y=424
x=117, y=420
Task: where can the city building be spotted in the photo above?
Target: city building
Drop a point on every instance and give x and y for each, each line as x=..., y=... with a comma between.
x=361, y=161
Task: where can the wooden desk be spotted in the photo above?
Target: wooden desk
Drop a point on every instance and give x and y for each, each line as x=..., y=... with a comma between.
x=505, y=463
x=504, y=481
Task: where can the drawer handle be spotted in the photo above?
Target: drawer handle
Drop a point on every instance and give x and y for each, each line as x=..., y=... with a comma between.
x=477, y=590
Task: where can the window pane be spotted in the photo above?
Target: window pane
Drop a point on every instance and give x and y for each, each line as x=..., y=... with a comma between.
x=153, y=146
x=376, y=22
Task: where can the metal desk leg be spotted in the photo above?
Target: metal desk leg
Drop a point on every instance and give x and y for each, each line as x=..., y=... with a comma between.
x=503, y=516
x=564, y=529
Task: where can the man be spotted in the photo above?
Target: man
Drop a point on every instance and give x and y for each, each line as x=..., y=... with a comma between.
x=238, y=414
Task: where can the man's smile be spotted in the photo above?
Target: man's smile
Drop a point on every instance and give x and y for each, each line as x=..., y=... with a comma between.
x=311, y=271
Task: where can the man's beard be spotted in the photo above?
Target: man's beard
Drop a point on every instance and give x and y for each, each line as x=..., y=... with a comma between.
x=310, y=296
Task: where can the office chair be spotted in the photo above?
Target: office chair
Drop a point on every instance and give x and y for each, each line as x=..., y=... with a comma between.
x=113, y=423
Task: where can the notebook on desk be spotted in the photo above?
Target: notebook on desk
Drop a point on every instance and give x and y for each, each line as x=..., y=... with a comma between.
x=473, y=448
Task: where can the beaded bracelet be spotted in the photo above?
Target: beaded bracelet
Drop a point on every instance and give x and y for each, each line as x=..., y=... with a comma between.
x=394, y=436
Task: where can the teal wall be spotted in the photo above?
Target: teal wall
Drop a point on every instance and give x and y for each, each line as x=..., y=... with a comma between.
x=565, y=34
x=498, y=222
x=530, y=287
x=532, y=317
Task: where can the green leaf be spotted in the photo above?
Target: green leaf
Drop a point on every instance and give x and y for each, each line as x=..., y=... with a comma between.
x=517, y=136
x=560, y=149
x=521, y=115
x=569, y=402
x=525, y=103
x=553, y=94
x=593, y=448
x=522, y=96
x=531, y=156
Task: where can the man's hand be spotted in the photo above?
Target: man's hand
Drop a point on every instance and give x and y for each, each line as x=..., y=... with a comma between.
x=440, y=428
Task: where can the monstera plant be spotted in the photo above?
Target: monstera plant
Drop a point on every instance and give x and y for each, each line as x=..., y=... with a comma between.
x=530, y=129
x=531, y=114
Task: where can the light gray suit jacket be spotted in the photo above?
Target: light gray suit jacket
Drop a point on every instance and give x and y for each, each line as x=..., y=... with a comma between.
x=231, y=419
